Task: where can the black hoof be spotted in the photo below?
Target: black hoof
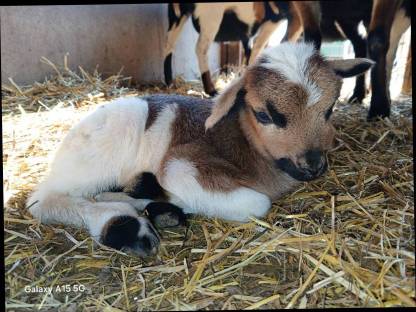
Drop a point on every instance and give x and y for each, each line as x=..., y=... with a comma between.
x=168, y=69
x=376, y=117
x=378, y=109
x=131, y=234
x=163, y=214
x=212, y=93
x=356, y=98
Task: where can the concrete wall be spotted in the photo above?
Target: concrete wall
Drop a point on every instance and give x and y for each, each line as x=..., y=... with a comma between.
x=112, y=36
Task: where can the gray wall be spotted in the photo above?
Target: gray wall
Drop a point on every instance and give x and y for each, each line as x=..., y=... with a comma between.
x=129, y=35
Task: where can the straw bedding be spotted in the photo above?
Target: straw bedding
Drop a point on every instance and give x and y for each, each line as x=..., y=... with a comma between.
x=344, y=240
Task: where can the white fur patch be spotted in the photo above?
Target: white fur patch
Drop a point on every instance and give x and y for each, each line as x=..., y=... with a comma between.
x=99, y=152
x=291, y=60
x=138, y=203
x=109, y=147
x=185, y=191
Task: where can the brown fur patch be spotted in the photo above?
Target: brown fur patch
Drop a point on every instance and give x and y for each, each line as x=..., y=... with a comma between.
x=107, y=225
x=224, y=102
x=274, y=7
x=259, y=11
x=308, y=13
x=382, y=14
x=294, y=28
x=325, y=78
x=216, y=154
x=176, y=9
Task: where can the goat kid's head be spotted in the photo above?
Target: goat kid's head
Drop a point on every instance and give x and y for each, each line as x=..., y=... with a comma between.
x=285, y=101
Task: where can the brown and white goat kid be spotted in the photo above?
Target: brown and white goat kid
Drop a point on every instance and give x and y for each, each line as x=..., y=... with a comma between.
x=229, y=157
x=223, y=21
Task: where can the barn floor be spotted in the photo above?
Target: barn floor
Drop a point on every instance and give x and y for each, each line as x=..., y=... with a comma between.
x=345, y=240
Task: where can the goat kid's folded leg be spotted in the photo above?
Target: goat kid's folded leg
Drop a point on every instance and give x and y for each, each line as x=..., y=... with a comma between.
x=138, y=203
x=161, y=214
x=180, y=179
x=115, y=224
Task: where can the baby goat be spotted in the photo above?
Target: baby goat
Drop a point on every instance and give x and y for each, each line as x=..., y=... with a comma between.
x=229, y=157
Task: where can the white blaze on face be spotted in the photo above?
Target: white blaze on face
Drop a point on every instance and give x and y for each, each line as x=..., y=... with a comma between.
x=291, y=61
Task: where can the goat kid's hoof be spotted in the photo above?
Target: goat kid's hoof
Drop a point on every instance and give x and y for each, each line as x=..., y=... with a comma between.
x=132, y=234
x=164, y=215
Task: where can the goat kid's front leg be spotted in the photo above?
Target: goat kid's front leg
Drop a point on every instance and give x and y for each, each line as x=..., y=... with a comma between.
x=181, y=180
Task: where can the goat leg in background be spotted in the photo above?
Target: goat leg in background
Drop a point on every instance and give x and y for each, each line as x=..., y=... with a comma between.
x=176, y=23
x=378, y=44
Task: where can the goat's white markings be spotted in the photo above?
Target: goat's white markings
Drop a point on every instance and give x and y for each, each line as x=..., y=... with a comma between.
x=291, y=61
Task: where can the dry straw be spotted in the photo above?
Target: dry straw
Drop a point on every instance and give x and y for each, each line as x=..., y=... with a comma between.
x=345, y=240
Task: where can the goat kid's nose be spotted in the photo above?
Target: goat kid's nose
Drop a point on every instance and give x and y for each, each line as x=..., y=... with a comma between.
x=313, y=161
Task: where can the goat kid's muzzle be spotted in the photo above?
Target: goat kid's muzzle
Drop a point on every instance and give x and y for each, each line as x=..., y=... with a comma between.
x=310, y=166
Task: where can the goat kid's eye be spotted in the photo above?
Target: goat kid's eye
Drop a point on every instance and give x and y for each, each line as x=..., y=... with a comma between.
x=262, y=117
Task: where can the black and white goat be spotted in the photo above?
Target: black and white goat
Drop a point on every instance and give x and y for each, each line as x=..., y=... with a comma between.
x=223, y=21
x=229, y=157
x=385, y=21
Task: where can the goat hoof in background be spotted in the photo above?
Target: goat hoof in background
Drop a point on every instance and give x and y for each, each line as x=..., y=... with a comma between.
x=380, y=108
x=213, y=93
x=375, y=115
x=357, y=97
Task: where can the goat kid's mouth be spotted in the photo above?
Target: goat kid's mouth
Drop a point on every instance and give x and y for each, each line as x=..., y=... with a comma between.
x=298, y=173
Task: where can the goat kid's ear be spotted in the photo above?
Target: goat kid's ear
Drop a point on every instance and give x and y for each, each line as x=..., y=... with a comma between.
x=351, y=67
x=223, y=103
